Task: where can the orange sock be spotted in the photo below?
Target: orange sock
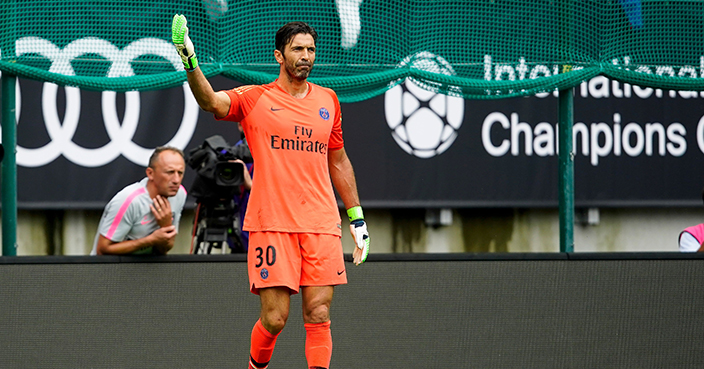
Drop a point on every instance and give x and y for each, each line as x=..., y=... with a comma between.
x=262, y=346
x=318, y=345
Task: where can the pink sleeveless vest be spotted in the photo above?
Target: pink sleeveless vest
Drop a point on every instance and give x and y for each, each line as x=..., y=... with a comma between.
x=697, y=231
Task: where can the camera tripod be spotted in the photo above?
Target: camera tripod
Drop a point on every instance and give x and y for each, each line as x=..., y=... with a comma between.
x=216, y=226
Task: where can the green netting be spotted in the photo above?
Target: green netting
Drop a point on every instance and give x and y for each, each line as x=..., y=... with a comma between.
x=475, y=49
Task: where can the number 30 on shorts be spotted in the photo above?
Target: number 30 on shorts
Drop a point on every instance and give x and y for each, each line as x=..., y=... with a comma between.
x=270, y=256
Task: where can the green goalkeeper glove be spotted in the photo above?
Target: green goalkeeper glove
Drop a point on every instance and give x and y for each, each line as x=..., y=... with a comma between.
x=358, y=228
x=184, y=46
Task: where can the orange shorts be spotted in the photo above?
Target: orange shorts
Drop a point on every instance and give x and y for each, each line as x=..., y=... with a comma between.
x=291, y=260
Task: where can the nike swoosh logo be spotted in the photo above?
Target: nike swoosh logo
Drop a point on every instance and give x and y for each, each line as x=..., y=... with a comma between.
x=340, y=273
x=145, y=221
x=272, y=109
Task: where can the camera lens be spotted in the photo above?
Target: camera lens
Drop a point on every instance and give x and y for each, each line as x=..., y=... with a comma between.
x=227, y=174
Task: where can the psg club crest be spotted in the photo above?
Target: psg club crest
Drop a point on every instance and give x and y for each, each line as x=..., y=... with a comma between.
x=324, y=113
x=264, y=273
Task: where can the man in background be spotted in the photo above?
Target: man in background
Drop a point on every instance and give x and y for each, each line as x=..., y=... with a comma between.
x=143, y=217
x=692, y=238
x=243, y=197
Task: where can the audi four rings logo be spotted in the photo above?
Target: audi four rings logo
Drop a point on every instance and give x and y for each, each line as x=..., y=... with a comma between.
x=121, y=133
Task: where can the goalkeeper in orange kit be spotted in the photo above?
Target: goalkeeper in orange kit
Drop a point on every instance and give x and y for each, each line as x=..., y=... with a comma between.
x=294, y=130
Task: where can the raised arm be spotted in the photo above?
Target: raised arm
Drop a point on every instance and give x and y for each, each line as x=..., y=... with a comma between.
x=217, y=103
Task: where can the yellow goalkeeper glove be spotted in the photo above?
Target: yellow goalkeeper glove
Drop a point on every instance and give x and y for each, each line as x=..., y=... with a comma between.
x=184, y=46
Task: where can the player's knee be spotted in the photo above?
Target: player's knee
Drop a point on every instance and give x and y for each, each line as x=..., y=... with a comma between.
x=274, y=321
x=317, y=314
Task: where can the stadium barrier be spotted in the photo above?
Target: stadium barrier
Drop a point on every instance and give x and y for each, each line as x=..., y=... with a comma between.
x=398, y=311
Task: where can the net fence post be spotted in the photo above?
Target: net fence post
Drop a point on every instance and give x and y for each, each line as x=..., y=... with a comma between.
x=566, y=170
x=9, y=165
x=565, y=122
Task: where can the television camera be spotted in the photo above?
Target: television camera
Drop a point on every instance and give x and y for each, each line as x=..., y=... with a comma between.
x=218, y=181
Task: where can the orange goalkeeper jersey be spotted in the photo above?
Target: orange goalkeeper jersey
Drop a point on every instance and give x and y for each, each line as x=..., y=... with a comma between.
x=289, y=139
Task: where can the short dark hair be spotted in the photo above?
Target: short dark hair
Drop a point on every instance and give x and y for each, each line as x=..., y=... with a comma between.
x=286, y=33
x=159, y=150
